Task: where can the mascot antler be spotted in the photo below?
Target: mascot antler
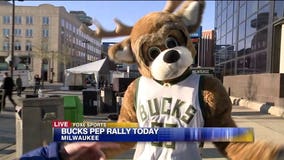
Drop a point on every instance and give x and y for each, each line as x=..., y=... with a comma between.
x=120, y=30
x=124, y=30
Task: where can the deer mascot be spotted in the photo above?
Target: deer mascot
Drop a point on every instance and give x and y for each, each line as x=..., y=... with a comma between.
x=167, y=94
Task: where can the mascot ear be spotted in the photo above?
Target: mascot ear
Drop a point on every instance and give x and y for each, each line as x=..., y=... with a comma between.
x=191, y=12
x=122, y=52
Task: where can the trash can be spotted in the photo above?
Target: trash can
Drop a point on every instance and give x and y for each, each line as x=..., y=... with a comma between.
x=1, y=99
x=34, y=122
x=73, y=109
x=108, y=101
x=90, y=101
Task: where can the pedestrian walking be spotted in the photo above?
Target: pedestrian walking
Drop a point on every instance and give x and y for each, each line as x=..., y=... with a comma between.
x=37, y=80
x=19, y=85
x=8, y=85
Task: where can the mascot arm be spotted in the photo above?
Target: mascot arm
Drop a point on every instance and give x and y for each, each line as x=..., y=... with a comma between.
x=127, y=114
x=217, y=113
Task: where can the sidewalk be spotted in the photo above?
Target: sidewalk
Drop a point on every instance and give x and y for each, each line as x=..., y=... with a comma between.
x=266, y=127
x=259, y=106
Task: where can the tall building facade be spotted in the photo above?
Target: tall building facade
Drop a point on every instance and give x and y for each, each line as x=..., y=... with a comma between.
x=249, y=51
x=206, y=49
x=47, y=40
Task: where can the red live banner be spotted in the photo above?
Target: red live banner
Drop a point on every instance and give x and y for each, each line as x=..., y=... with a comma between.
x=61, y=124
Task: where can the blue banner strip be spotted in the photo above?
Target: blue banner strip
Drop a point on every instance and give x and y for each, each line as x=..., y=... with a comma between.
x=154, y=134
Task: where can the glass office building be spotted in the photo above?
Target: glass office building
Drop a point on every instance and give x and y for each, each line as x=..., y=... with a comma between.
x=249, y=51
x=244, y=32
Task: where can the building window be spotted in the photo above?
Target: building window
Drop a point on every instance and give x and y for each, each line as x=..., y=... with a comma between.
x=229, y=38
x=223, y=29
x=251, y=25
x=224, y=16
x=45, y=20
x=29, y=32
x=259, y=41
x=236, y=20
x=28, y=46
x=224, y=4
x=235, y=35
x=229, y=68
x=18, y=20
x=240, y=66
x=242, y=14
x=18, y=32
x=263, y=17
x=260, y=59
x=6, y=32
x=29, y=19
x=241, y=48
x=242, y=31
x=230, y=52
x=249, y=64
x=248, y=45
x=252, y=7
x=230, y=9
x=62, y=22
x=45, y=33
x=262, y=3
x=6, y=46
x=236, y=6
x=44, y=47
x=242, y=3
x=17, y=46
x=230, y=24
x=278, y=9
x=6, y=19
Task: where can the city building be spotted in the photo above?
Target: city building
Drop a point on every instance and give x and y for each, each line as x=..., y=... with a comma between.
x=249, y=51
x=195, y=38
x=206, y=49
x=47, y=39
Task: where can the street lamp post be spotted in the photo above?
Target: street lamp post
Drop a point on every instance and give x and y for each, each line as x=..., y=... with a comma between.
x=13, y=37
x=86, y=47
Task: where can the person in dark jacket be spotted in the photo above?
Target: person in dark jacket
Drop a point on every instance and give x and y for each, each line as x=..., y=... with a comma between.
x=19, y=85
x=8, y=85
x=37, y=80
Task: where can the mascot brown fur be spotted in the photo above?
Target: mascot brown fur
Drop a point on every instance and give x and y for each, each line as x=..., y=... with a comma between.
x=160, y=45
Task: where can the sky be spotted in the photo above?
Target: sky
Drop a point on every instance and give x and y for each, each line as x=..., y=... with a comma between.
x=127, y=11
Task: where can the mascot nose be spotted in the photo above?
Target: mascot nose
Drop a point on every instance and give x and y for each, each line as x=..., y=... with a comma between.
x=171, y=56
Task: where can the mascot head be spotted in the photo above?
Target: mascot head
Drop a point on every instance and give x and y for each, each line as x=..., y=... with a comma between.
x=159, y=42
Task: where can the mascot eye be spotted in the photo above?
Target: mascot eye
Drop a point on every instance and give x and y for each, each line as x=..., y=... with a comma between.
x=153, y=52
x=171, y=42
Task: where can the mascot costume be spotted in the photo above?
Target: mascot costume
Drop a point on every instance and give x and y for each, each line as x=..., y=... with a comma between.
x=167, y=94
